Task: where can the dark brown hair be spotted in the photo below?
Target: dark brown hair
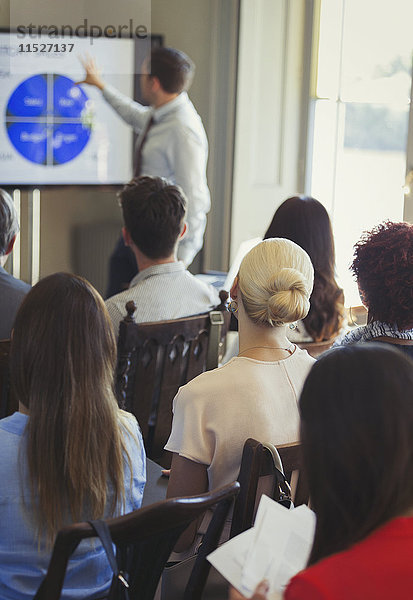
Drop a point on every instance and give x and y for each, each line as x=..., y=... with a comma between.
x=153, y=213
x=62, y=361
x=383, y=266
x=173, y=68
x=357, y=439
x=305, y=221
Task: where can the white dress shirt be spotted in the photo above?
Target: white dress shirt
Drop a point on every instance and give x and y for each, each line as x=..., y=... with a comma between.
x=176, y=147
x=163, y=292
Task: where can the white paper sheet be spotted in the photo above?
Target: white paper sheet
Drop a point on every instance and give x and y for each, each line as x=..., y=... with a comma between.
x=276, y=548
x=231, y=557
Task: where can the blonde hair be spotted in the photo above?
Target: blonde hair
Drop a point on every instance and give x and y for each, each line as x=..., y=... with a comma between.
x=62, y=361
x=275, y=281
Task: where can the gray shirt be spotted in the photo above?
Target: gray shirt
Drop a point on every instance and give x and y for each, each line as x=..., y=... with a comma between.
x=176, y=147
x=12, y=292
x=163, y=292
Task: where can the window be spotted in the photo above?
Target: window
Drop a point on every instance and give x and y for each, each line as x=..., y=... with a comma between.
x=360, y=115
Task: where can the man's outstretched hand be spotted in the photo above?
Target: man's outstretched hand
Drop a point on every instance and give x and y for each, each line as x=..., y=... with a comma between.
x=92, y=72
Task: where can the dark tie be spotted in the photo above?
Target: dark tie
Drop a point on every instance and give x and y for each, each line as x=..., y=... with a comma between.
x=138, y=156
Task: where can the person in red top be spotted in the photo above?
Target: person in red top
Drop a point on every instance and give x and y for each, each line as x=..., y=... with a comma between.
x=357, y=436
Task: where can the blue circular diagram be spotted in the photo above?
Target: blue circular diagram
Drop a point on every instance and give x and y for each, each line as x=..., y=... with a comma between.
x=46, y=119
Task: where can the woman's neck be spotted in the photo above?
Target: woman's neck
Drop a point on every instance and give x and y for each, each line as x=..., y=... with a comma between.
x=263, y=342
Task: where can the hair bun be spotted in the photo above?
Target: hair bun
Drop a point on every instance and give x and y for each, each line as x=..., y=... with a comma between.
x=276, y=279
x=289, y=300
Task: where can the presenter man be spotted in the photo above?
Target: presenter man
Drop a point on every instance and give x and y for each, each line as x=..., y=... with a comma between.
x=171, y=138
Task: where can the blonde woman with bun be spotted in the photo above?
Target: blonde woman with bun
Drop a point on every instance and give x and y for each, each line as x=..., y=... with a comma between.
x=256, y=393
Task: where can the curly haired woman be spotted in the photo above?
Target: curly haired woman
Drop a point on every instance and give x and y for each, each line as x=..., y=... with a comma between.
x=383, y=266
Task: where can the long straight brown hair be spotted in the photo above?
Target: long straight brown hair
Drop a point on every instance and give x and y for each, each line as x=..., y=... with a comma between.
x=62, y=361
x=357, y=438
x=305, y=221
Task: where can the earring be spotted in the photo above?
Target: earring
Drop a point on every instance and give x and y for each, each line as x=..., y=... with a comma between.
x=232, y=307
x=292, y=326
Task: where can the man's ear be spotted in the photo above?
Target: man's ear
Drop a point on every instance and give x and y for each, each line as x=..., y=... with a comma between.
x=155, y=84
x=234, y=289
x=183, y=231
x=126, y=237
x=11, y=244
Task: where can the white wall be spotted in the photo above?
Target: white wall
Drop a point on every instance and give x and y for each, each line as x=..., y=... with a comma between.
x=268, y=142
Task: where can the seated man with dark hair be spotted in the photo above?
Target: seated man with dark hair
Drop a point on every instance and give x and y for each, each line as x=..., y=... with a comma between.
x=154, y=221
x=12, y=290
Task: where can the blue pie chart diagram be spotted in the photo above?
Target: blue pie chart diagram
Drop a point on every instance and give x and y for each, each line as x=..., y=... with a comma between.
x=44, y=119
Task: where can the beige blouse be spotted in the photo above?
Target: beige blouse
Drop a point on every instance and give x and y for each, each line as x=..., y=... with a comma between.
x=215, y=413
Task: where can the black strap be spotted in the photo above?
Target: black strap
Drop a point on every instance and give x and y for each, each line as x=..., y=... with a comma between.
x=103, y=533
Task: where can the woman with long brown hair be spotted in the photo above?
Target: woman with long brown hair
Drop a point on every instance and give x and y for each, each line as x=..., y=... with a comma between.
x=69, y=454
x=357, y=435
x=305, y=221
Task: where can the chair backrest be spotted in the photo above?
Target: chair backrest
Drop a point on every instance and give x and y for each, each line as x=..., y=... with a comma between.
x=8, y=404
x=155, y=359
x=314, y=349
x=258, y=476
x=144, y=540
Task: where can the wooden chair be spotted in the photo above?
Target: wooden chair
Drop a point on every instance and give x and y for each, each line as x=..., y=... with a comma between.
x=314, y=349
x=8, y=404
x=144, y=540
x=257, y=477
x=155, y=359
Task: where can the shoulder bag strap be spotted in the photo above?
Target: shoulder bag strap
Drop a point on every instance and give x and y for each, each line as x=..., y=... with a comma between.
x=283, y=485
x=102, y=531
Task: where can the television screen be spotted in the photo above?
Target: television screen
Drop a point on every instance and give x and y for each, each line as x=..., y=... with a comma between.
x=53, y=132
